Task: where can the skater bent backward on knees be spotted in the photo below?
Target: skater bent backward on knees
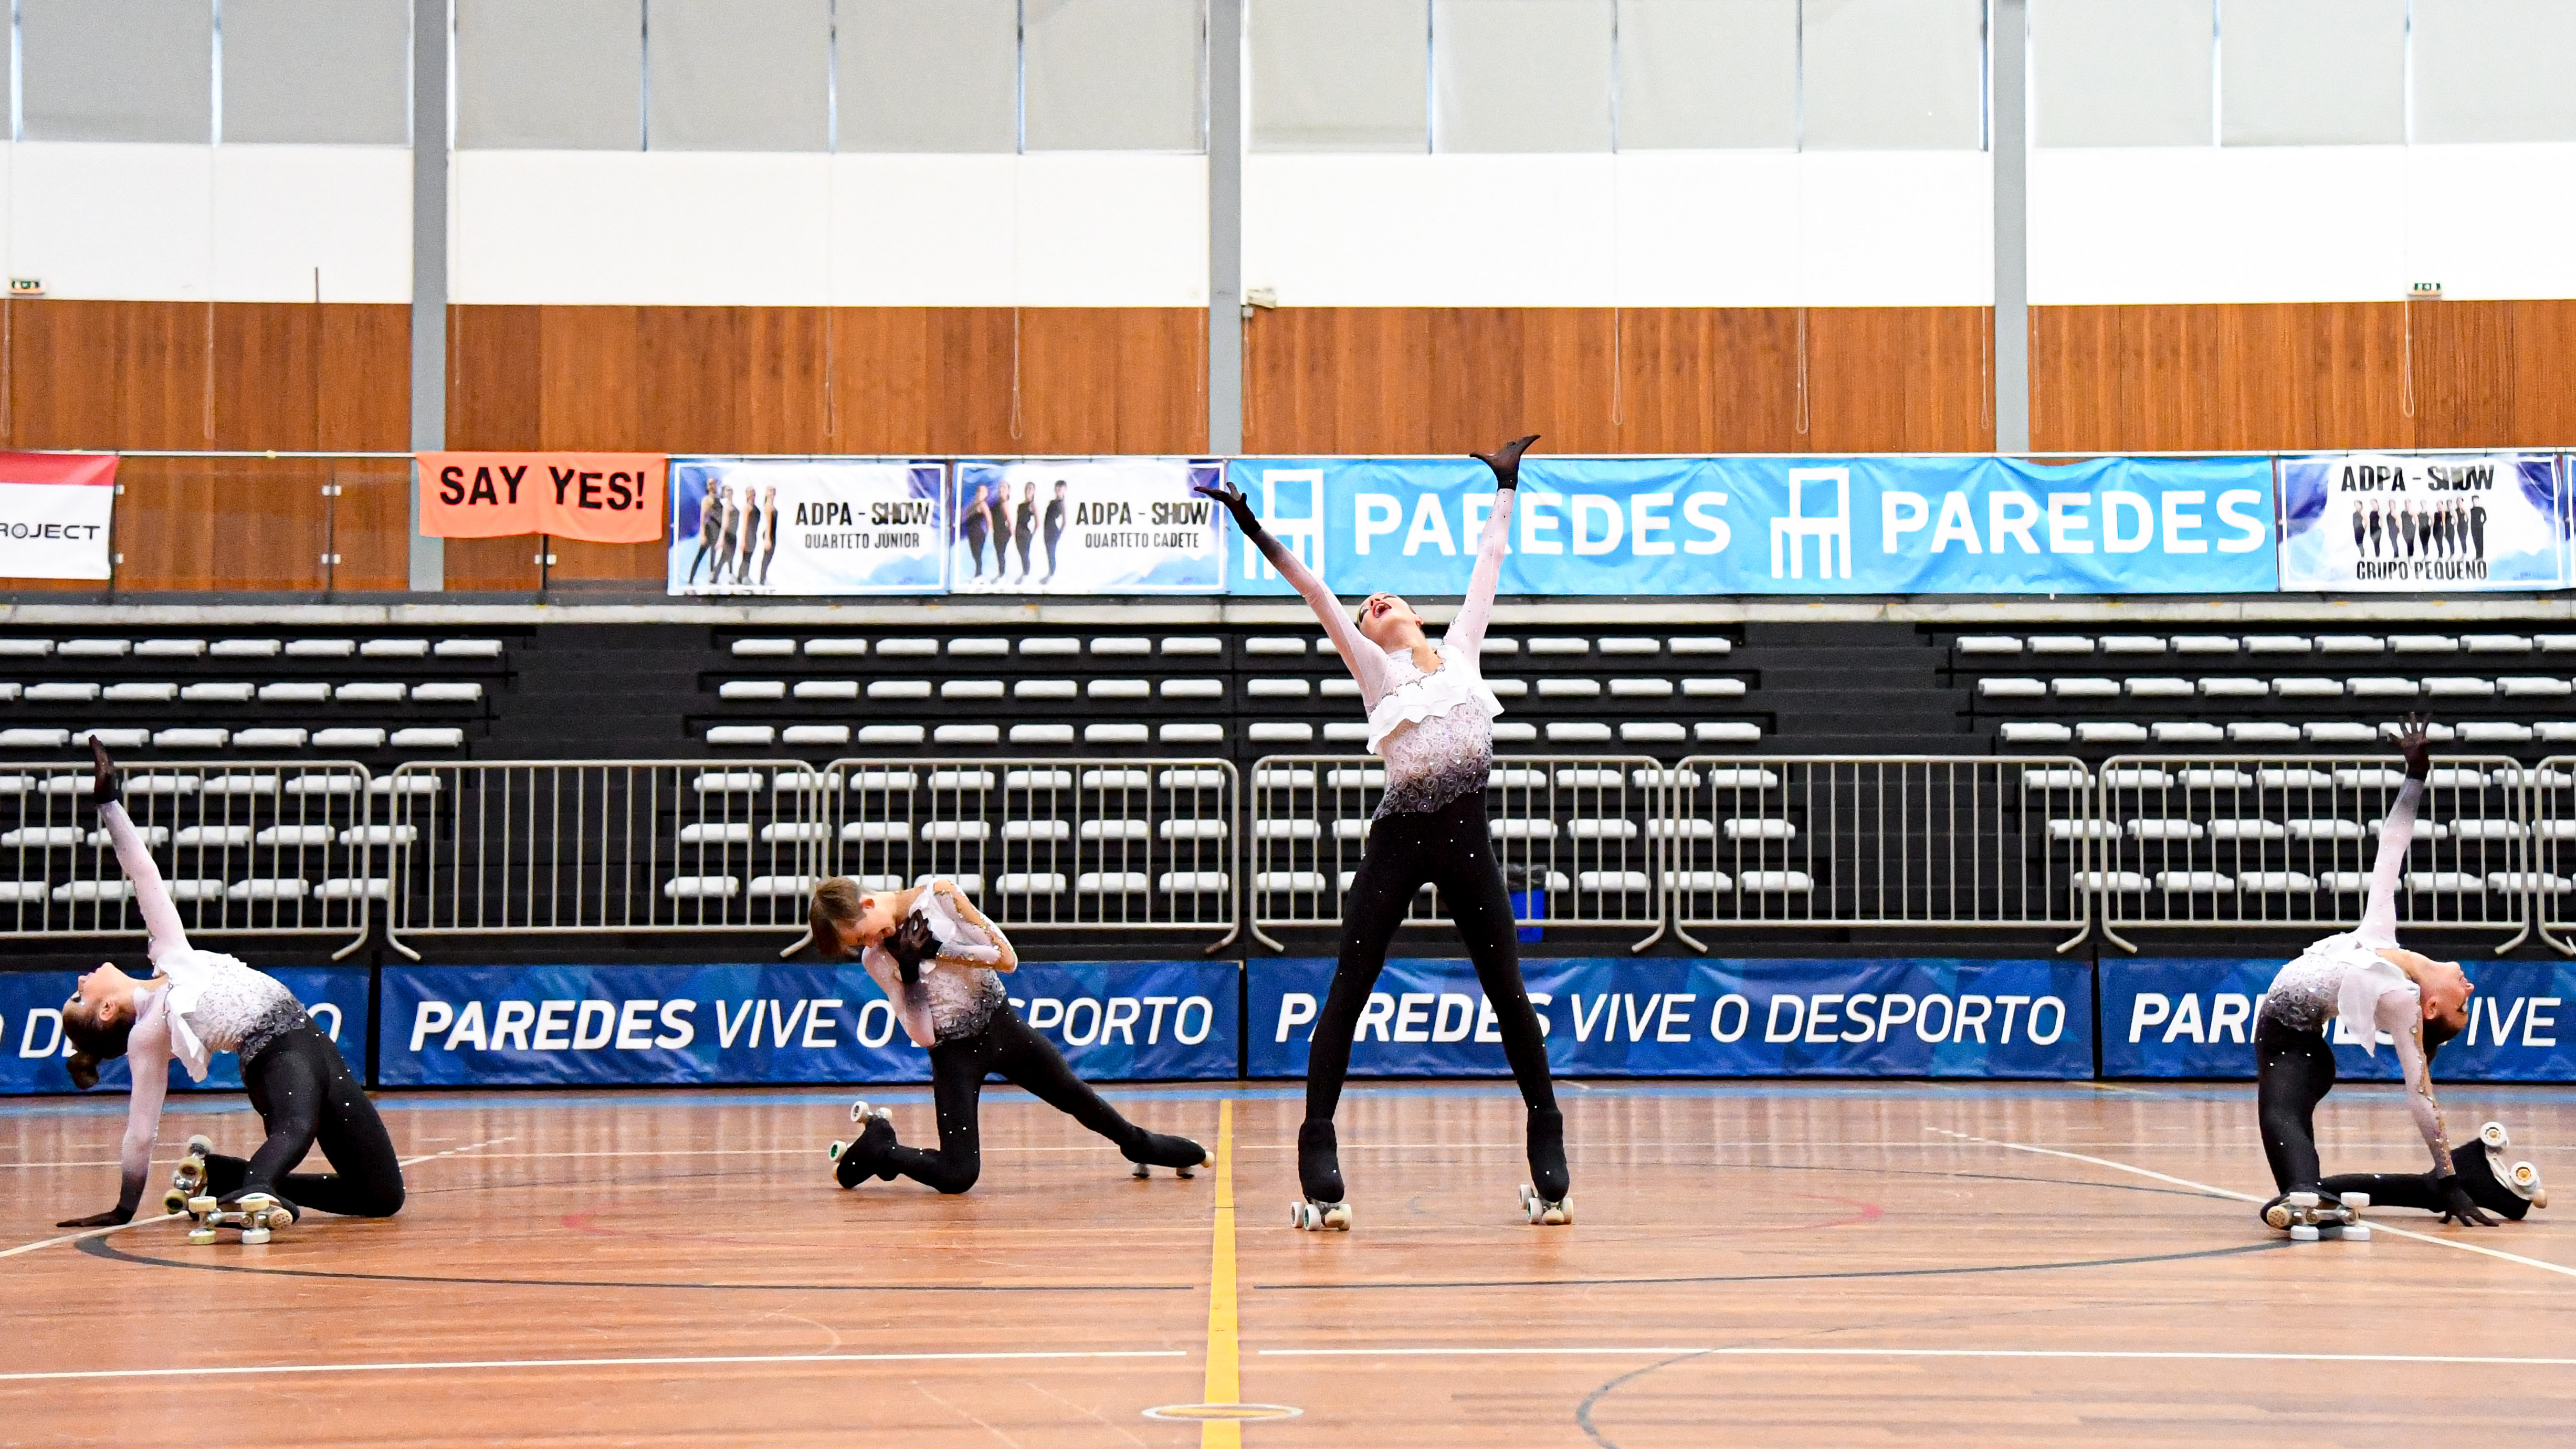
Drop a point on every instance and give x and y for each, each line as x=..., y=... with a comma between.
x=1431, y=719
x=2369, y=983
x=197, y=1003
x=937, y=958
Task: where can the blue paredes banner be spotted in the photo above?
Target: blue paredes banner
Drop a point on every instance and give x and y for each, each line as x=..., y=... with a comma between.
x=2187, y=1018
x=31, y=1024
x=1777, y=525
x=699, y=1025
x=1715, y=1018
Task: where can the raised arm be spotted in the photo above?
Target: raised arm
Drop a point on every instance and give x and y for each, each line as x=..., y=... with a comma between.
x=2400, y=1014
x=147, y=1059
x=160, y=917
x=1467, y=631
x=2397, y=838
x=1358, y=654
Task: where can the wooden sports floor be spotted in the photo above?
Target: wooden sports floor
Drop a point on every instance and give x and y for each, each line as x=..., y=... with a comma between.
x=1904, y=1263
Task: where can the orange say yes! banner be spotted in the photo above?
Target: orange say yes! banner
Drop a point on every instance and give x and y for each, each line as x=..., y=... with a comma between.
x=596, y=497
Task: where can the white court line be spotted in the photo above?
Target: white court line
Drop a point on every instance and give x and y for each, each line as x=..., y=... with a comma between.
x=2376, y=1226
x=2041, y=1353
x=450, y=1365
x=453, y=1151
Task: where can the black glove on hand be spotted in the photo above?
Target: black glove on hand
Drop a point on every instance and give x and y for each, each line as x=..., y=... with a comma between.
x=911, y=944
x=1506, y=461
x=1224, y=491
x=2412, y=742
x=2461, y=1210
x=115, y=1217
x=107, y=786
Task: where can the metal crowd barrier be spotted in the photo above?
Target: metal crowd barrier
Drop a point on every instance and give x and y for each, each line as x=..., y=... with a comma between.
x=1857, y=843
x=1574, y=835
x=247, y=847
x=1095, y=845
x=2216, y=842
x=562, y=846
x=2551, y=787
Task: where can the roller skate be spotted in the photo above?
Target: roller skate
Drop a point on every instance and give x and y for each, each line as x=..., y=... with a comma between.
x=2310, y=1216
x=189, y=1178
x=256, y=1214
x=1319, y=1175
x=1180, y=1154
x=856, y=1161
x=2509, y=1189
x=1547, y=1201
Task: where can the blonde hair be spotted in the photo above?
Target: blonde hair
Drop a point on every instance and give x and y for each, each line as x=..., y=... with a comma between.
x=836, y=904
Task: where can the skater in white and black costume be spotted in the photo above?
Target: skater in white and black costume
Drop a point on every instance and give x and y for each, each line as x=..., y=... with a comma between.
x=937, y=958
x=1431, y=719
x=198, y=1003
x=2365, y=980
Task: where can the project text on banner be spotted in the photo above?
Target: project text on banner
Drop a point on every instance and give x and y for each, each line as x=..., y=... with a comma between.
x=55, y=515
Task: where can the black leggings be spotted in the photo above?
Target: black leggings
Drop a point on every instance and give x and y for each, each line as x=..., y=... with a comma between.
x=1008, y=1049
x=1449, y=849
x=2293, y=1071
x=305, y=1094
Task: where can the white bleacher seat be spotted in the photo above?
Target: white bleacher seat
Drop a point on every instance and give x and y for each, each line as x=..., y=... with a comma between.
x=1342, y=686
x=9, y=691
x=2517, y=882
x=791, y=832
x=764, y=648
x=1192, y=689
x=2370, y=777
x=295, y=692
x=2556, y=732
x=742, y=735
x=1494, y=644
x=2037, y=733
x=1652, y=732
x=955, y=832
x=1109, y=883
x=321, y=648
x=898, y=689
x=1506, y=732
x=2234, y=687
x=835, y=648
x=1281, y=688
x=2076, y=778
x=115, y=739
x=1700, y=644
x=1194, y=732
x=2158, y=686
x=1577, y=733
x=1348, y=688
x=1288, y=880
x=2555, y=643
x=1512, y=829
x=245, y=649
x=1117, y=689
x=2371, y=686
x=467, y=649
x=85, y=891
x=294, y=835
x=140, y=693
x=2451, y=686
x=805, y=689
x=370, y=692
x=1287, y=830
x=1193, y=644
x=1613, y=882
x=2495, y=643
x=1713, y=688
x=2495, y=732
x=2338, y=733
x=805, y=734
x=2263, y=732
x=380, y=835
x=2308, y=688
x=1200, y=778
x=1116, y=830
x=2446, y=882
x=2194, y=882
x=2511, y=775
x=1602, y=829
x=394, y=649
x=1037, y=830
x=61, y=693
x=1029, y=883
x=1277, y=732
x=2060, y=644
x=966, y=734
x=2344, y=882
x=884, y=832
x=2204, y=644
x=2085, y=687
x=1194, y=883
x=191, y=738
x=43, y=837
x=1757, y=828
x=218, y=693
x=1675, y=828
x=702, y=887
x=1569, y=688
x=25, y=648
x=2534, y=686
x=2012, y=688
x=94, y=648
x=2107, y=732
x=2132, y=644
x=970, y=689
x=2351, y=644
x=971, y=882
x=2423, y=644
x=1775, y=883
x=351, y=888
x=1580, y=777
x=1641, y=688
x=1988, y=644
x=2327, y=828
x=1716, y=881
x=2082, y=830
x=304, y=785
x=2279, y=644
x=1560, y=644
x=2186, y=732
x=1116, y=734
x=159, y=785
x=1044, y=689
x=1276, y=644
x=271, y=737
x=752, y=689
x=2248, y=829
x=1041, y=734
x=783, y=887
x=2111, y=882
x=2486, y=829
x=907, y=648
x=979, y=648
x=1618, y=645
x=2157, y=829
x=1121, y=645
x=2276, y=882
x=459, y=692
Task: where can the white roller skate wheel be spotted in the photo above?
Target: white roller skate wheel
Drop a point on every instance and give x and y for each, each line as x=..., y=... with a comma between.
x=2356, y=1232
x=2493, y=1135
x=1527, y=1193
x=833, y=1152
x=253, y=1237
x=859, y=1111
x=2306, y=1200
x=2356, y=1201
x=200, y=1145
x=1142, y=1171
x=202, y=1206
x=1337, y=1218
x=1297, y=1216
x=2524, y=1178
x=2304, y=1233
x=201, y=1236
x=174, y=1201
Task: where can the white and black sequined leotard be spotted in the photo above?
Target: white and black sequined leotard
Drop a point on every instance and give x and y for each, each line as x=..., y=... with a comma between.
x=958, y=991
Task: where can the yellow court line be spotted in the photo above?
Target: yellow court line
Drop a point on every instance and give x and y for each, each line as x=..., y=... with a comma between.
x=1224, y=1337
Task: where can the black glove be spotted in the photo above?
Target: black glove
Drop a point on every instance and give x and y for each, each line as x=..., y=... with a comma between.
x=107, y=786
x=2412, y=737
x=911, y=944
x=1224, y=491
x=1506, y=461
x=2461, y=1210
x=115, y=1217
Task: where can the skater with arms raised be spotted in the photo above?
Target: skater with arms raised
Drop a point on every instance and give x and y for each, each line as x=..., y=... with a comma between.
x=938, y=960
x=197, y=1003
x=1431, y=719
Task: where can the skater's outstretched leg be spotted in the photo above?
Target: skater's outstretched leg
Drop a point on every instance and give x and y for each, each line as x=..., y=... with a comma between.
x=2388, y=1189
x=1031, y=1062
x=2294, y=1070
x=1471, y=882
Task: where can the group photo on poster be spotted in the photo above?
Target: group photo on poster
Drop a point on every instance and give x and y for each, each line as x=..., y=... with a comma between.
x=799, y=528
x=1087, y=526
x=2382, y=521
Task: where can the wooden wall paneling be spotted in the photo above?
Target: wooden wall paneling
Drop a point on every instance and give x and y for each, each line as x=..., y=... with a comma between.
x=1113, y=379
x=371, y=525
x=879, y=384
x=2541, y=338
x=1500, y=372
x=493, y=371
x=366, y=378
x=2461, y=361
x=1898, y=379
x=1326, y=380
x=1707, y=380
x=194, y=524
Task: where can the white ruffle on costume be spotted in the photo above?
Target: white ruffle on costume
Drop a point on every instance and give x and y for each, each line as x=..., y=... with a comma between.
x=1413, y=696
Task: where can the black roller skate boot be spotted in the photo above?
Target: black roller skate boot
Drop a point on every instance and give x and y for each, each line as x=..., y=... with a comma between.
x=1319, y=1177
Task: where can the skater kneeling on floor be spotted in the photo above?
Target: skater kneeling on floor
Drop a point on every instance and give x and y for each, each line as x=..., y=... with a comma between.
x=2365, y=980
x=938, y=959
x=197, y=1003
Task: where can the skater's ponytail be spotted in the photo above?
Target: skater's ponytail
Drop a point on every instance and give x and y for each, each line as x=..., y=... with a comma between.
x=92, y=1044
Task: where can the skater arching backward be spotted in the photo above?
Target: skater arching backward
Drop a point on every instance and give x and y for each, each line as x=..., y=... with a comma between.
x=197, y=1003
x=937, y=958
x=1431, y=719
x=2365, y=980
